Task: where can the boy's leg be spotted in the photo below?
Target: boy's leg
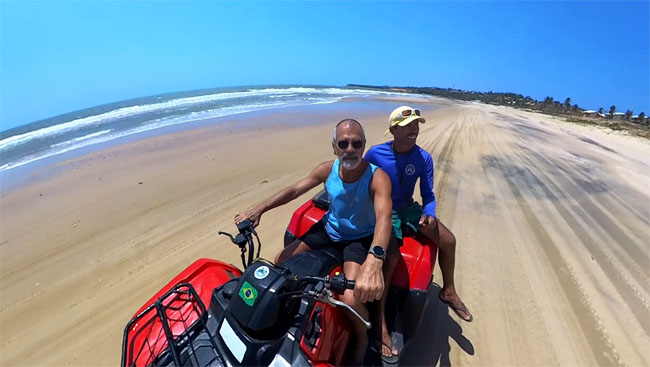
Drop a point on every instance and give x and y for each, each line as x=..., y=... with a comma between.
x=446, y=242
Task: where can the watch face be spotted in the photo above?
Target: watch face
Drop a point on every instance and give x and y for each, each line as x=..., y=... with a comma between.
x=378, y=251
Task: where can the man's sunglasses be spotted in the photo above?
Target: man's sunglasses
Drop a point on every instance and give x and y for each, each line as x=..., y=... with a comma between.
x=343, y=144
x=407, y=113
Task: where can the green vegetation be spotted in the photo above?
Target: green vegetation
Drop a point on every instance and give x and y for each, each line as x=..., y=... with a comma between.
x=636, y=125
x=611, y=112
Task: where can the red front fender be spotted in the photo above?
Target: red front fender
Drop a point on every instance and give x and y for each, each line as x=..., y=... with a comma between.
x=204, y=275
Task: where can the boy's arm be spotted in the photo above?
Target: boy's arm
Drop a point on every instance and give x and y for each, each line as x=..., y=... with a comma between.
x=428, y=197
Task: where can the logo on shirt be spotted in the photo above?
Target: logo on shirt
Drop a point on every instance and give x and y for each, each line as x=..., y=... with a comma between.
x=409, y=169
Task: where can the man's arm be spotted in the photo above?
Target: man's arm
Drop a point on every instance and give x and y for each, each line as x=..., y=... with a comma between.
x=317, y=176
x=370, y=281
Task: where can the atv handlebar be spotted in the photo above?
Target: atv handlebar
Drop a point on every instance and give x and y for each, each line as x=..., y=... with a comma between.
x=338, y=283
x=244, y=239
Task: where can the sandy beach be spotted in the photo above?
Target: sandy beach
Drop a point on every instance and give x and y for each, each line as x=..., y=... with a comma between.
x=552, y=222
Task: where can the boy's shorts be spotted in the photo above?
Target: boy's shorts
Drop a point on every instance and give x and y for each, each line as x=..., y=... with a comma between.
x=407, y=219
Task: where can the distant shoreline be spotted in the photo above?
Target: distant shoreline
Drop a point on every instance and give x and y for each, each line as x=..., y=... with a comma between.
x=639, y=126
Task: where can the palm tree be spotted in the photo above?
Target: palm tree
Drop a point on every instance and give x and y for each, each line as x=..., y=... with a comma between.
x=642, y=118
x=575, y=108
x=601, y=111
x=548, y=101
x=611, y=112
x=628, y=115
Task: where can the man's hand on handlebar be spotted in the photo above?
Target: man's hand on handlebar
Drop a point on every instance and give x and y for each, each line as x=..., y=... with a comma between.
x=253, y=215
x=370, y=280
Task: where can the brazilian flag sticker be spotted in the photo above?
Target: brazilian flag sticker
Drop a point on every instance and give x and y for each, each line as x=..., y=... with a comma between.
x=248, y=293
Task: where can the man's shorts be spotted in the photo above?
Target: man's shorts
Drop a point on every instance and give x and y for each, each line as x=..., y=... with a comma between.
x=407, y=219
x=355, y=250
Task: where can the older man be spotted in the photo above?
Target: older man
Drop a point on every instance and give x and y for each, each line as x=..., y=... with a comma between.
x=405, y=162
x=357, y=223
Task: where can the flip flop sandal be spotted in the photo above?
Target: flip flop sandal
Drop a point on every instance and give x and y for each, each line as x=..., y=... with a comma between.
x=457, y=310
x=386, y=359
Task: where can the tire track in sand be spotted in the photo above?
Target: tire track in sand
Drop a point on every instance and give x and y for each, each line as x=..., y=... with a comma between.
x=515, y=305
x=444, y=160
x=602, y=349
x=631, y=295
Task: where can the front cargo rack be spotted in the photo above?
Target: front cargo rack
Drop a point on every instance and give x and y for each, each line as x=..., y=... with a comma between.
x=171, y=332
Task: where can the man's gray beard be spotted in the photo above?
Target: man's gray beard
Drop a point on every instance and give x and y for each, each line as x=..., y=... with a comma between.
x=349, y=164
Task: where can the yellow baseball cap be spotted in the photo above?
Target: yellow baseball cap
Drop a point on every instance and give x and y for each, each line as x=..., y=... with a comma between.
x=404, y=115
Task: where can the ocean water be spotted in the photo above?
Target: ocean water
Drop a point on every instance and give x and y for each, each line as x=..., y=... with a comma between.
x=54, y=136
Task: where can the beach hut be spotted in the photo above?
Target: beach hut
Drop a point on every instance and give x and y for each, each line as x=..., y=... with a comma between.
x=590, y=113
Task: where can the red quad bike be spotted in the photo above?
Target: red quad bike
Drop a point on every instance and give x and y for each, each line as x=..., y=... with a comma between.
x=213, y=314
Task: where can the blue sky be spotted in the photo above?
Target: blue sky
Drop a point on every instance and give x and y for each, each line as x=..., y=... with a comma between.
x=58, y=57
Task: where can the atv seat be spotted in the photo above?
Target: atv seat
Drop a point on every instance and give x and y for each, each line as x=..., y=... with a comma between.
x=313, y=263
x=418, y=253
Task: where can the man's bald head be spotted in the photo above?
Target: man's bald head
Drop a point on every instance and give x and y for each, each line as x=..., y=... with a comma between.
x=349, y=124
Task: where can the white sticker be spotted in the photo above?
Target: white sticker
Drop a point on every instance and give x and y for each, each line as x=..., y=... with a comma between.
x=261, y=272
x=236, y=346
x=279, y=361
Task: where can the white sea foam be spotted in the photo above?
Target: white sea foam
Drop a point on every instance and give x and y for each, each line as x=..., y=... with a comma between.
x=131, y=111
x=283, y=95
x=81, y=138
x=292, y=96
x=121, y=113
x=104, y=136
x=56, y=151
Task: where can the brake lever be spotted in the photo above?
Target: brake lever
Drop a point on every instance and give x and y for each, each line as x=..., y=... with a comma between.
x=238, y=240
x=229, y=235
x=328, y=297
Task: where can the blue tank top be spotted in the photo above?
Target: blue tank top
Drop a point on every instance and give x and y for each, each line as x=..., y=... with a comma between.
x=352, y=211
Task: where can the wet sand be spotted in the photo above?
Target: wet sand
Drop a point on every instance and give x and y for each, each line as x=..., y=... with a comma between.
x=552, y=222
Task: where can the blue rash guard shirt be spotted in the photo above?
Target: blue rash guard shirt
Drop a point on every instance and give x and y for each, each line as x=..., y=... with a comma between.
x=404, y=169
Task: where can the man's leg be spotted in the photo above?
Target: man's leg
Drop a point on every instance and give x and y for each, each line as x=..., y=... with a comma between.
x=316, y=237
x=446, y=242
x=294, y=248
x=357, y=349
x=392, y=257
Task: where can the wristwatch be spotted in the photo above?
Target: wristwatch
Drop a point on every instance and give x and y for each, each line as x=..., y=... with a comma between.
x=378, y=251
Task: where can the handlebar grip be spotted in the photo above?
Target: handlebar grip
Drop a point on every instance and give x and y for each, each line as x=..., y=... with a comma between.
x=339, y=283
x=245, y=225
